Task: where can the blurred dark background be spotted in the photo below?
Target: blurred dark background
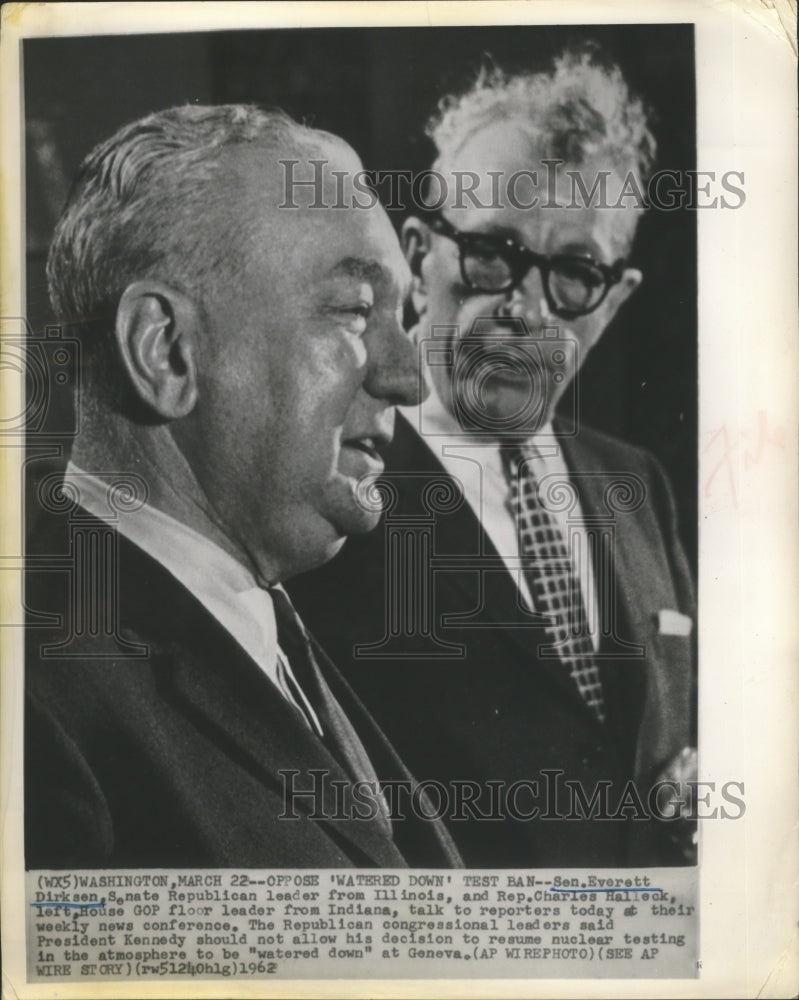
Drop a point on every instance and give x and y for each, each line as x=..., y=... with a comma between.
x=376, y=88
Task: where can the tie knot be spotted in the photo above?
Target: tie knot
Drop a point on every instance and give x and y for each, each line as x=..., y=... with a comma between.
x=281, y=601
x=288, y=621
x=518, y=460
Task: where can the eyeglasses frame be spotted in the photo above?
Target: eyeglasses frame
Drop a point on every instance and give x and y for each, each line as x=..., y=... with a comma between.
x=520, y=259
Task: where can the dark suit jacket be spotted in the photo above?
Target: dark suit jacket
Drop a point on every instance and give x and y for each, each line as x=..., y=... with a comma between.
x=153, y=740
x=460, y=689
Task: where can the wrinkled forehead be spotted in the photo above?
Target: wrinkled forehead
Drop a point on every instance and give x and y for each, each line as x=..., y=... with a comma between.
x=302, y=210
x=306, y=171
x=504, y=175
x=517, y=144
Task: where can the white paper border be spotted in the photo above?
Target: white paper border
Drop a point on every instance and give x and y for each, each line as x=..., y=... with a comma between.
x=746, y=93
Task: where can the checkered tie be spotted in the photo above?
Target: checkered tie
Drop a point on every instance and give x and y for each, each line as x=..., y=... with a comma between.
x=554, y=585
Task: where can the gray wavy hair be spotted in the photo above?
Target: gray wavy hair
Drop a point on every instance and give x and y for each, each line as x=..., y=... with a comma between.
x=141, y=206
x=580, y=109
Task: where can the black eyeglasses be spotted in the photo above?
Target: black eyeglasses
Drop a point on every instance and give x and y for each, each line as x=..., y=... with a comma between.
x=574, y=286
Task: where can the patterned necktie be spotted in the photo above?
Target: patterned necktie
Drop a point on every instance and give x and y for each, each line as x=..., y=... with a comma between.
x=554, y=585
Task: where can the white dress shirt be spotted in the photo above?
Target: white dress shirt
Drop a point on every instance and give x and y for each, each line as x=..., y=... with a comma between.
x=477, y=464
x=225, y=587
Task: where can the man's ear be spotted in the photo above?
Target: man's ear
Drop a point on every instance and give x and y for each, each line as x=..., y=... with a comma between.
x=156, y=332
x=415, y=239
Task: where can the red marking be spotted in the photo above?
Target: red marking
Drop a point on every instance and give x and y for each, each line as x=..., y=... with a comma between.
x=747, y=448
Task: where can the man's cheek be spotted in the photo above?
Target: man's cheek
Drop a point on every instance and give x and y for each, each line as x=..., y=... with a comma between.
x=586, y=334
x=339, y=355
x=446, y=295
x=358, y=355
x=320, y=403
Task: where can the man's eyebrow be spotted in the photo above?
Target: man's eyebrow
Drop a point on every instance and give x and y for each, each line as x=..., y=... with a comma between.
x=494, y=230
x=360, y=268
x=586, y=246
x=578, y=246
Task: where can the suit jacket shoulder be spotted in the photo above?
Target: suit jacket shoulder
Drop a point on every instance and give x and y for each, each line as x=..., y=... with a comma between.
x=425, y=621
x=153, y=740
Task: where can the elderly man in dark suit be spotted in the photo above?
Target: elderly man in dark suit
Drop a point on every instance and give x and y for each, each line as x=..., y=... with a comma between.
x=241, y=361
x=521, y=623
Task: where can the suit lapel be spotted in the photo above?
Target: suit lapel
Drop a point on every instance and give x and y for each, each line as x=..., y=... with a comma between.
x=592, y=480
x=653, y=684
x=483, y=588
x=419, y=840
x=214, y=681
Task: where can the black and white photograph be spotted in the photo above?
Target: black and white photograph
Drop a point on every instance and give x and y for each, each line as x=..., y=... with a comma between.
x=368, y=461
x=461, y=621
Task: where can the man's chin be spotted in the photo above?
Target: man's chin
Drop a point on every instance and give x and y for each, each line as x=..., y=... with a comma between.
x=503, y=406
x=321, y=554
x=357, y=522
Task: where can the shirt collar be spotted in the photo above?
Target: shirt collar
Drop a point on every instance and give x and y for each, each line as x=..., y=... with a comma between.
x=223, y=585
x=194, y=559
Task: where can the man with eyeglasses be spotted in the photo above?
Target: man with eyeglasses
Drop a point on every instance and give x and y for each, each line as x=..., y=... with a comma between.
x=521, y=623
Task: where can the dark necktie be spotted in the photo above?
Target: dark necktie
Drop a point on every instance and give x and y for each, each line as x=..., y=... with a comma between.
x=338, y=733
x=554, y=585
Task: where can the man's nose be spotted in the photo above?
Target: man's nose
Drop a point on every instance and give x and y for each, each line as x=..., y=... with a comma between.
x=394, y=370
x=526, y=301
